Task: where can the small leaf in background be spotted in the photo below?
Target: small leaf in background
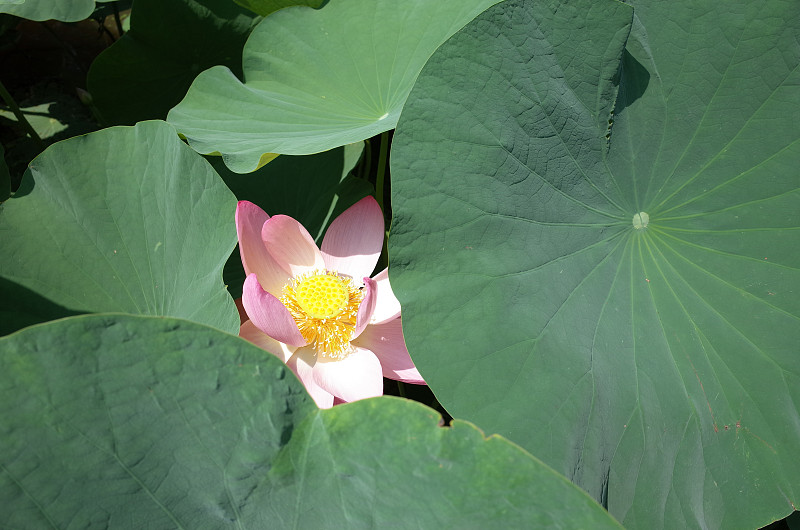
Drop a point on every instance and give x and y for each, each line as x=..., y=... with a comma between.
x=63, y=10
x=596, y=241
x=40, y=117
x=57, y=117
x=126, y=219
x=265, y=7
x=317, y=79
x=149, y=69
x=138, y=422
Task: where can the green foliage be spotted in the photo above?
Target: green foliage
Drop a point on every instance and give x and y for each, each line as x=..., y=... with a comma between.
x=130, y=422
x=317, y=79
x=63, y=10
x=655, y=365
x=126, y=219
x=149, y=69
x=595, y=240
x=40, y=118
x=265, y=7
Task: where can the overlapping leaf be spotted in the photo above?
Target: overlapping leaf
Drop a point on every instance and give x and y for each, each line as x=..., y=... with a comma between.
x=317, y=79
x=149, y=69
x=139, y=422
x=611, y=279
x=126, y=219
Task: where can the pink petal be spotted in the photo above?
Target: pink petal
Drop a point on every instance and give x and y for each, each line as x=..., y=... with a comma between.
x=268, y=314
x=387, y=307
x=354, y=240
x=249, y=221
x=302, y=364
x=357, y=376
x=250, y=332
x=387, y=343
x=367, y=307
x=290, y=244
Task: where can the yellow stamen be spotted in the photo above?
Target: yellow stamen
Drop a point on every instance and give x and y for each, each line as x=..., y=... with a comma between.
x=325, y=306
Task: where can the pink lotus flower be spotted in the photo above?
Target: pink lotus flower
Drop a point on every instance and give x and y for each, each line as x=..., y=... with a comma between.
x=317, y=309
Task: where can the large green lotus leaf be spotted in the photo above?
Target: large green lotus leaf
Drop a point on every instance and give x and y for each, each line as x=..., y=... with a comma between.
x=317, y=79
x=265, y=7
x=149, y=69
x=63, y=10
x=314, y=189
x=126, y=421
x=126, y=219
x=653, y=359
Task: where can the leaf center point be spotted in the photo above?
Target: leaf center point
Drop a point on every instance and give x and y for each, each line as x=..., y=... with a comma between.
x=640, y=220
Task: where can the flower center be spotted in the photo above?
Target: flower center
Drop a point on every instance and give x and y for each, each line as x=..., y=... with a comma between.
x=325, y=306
x=322, y=296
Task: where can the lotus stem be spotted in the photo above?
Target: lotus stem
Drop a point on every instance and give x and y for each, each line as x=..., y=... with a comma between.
x=117, y=19
x=382, y=155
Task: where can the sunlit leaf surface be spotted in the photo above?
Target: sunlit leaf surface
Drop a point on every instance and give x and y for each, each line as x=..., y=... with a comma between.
x=317, y=79
x=138, y=422
x=126, y=219
x=596, y=245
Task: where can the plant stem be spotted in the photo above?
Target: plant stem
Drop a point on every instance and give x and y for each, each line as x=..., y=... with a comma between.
x=382, y=155
x=105, y=30
x=117, y=19
x=20, y=116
